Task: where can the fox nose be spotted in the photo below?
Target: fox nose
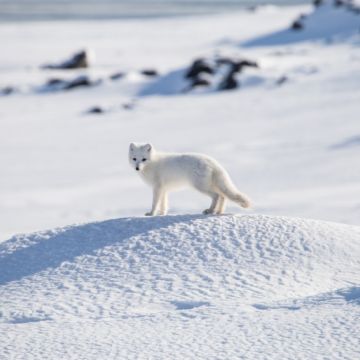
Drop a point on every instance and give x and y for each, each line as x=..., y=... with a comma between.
x=137, y=168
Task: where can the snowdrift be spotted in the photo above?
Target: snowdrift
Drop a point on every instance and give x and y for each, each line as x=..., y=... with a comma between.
x=160, y=259
x=183, y=287
x=327, y=22
x=138, y=282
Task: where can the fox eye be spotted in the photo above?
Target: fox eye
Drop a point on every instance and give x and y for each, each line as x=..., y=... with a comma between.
x=134, y=159
x=143, y=159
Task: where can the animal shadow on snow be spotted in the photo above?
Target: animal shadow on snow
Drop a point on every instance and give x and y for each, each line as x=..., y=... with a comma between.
x=47, y=250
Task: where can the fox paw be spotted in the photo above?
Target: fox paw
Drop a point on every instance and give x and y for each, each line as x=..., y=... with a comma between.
x=208, y=211
x=149, y=214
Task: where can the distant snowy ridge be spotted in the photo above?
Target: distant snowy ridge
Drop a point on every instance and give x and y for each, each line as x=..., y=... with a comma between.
x=329, y=21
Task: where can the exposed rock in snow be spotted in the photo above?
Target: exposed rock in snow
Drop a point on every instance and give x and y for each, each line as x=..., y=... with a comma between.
x=149, y=72
x=63, y=84
x=210, y=73
x=8, y=90
x=117, y=75
x=199, y=66
x=96, y=110
x=79, y=60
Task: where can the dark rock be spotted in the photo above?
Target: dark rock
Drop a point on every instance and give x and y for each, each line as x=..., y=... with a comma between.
x=229, y=82
x=282, y=80
x=55, y=81
x=56, y=84
x=318, y=2
x=77, y=82
x=128, y=106
x=199, y=82
x=8, y=90
x=199, y=66
x=96, y=110
x=251, y=8
x=236, y=65
x=297, y=25
x=117, y=76
x=339, y=3
x=77, y=61
x=149, y=72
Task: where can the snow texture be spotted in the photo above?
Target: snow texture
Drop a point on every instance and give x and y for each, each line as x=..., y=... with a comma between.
x=298, y=111
x=324, y=23
x=180, y=287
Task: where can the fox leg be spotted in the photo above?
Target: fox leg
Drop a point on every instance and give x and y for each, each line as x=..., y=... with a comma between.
x=158, y=194
x=214, y=203
x=164, y=204
x=220, y=208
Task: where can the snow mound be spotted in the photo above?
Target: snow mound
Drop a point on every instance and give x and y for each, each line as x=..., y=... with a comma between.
x=327, y=22
x=133, y=287
x=141, y=261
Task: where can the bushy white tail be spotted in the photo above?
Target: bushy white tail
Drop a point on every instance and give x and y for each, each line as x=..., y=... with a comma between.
x=228, y=189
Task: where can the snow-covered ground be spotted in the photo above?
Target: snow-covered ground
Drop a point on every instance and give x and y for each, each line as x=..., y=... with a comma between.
x=183, y=287
x=293, y=148
x=186, y=286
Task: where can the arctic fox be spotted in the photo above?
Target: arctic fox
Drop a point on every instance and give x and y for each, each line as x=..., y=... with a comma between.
x=168, y=171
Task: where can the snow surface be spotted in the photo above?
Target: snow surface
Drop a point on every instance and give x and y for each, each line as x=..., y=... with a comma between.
x=279, y=143
x=181, y=287
x=328, y=23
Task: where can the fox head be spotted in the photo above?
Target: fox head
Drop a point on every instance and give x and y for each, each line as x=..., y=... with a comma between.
x=140, y=155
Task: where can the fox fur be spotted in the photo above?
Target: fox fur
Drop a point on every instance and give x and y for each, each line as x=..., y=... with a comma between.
x=166, y=172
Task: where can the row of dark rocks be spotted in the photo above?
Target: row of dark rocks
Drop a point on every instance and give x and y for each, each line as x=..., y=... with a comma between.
x=99, y=110
x=59, y=84
x=202, y=72
x=199, y=74
x=77, y=61
x=81, y=60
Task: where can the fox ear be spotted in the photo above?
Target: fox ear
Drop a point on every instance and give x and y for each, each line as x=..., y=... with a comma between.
x=132, y=146
x=148, y=147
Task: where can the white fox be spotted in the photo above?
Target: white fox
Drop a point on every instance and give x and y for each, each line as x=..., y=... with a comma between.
x=168, y=171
